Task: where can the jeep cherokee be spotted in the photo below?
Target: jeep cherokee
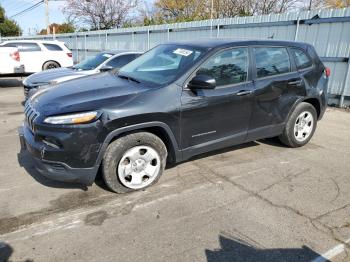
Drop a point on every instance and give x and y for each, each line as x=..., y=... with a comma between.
x=175, y=101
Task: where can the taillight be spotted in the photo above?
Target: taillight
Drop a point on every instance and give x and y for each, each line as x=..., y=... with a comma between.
x=15, y=56
x=327, y=71
x=69, y=54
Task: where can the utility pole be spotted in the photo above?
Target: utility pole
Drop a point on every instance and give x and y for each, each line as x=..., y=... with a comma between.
x=47, y=16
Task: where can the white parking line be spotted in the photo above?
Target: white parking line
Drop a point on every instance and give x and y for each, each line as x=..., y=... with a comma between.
x=331, y=253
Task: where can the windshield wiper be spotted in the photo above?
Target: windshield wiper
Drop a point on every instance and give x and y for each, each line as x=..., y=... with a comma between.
x=130, y=78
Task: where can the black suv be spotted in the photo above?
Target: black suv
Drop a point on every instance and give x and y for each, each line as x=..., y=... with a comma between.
x=175, y=101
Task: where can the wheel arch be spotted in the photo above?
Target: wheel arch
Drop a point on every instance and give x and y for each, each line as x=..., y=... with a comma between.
x=314, y=101
x=159, y=129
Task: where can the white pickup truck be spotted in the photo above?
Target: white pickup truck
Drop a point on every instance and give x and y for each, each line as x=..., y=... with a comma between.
x=10, y=62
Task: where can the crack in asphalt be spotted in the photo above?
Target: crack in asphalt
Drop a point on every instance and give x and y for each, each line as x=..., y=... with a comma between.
x=338, y=190
x=295, y=211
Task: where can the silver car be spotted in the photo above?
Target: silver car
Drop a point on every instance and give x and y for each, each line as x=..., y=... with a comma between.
x=101, y=62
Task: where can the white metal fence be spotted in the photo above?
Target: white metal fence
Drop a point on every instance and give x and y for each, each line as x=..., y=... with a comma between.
x=328, y=30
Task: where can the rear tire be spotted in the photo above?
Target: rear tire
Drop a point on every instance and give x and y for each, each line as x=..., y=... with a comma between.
x=300, y=127
x=134, y=162
x=50, y=65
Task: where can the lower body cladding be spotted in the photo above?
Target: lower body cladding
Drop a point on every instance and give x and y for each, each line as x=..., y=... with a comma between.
x=43, y=156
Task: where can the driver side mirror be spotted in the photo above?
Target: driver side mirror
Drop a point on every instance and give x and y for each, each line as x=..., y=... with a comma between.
x=202, y=82
x=106, y=68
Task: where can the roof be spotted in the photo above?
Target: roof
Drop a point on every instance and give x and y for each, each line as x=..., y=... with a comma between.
x=222, y=42
x=34, y=40
x=116, y=52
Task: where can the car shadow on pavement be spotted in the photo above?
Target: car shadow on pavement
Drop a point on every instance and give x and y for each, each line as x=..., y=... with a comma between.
x=26, y=161
x=10, y=82
x=5, y=252
x=235, y=250
x=273, y=141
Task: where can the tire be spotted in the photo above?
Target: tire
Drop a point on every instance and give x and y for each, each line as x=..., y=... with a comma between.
x=50, y=65
x=299, y=130
x=126, y=160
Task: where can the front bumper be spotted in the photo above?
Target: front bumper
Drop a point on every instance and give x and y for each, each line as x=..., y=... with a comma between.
x=54, y=169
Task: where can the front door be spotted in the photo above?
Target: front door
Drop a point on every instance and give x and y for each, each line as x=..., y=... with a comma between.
x=214, y=118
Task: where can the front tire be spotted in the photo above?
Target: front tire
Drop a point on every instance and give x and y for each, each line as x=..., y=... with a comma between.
x=134, y=162
x=300, y=127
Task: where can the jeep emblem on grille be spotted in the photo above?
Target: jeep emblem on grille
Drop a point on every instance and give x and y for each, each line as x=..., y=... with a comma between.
x=42, y=151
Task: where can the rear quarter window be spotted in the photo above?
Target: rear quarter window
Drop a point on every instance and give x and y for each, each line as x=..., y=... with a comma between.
x=53, y=47
x=271, y=61
x=302, y=60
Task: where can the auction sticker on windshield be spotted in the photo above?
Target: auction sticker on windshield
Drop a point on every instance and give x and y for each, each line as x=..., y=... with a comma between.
x=183, y=52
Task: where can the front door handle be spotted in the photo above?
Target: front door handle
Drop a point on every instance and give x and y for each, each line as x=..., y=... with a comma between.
x=244, y=93
x=295, y=83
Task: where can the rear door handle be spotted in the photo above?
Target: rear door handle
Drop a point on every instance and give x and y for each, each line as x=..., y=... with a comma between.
x=295, y=83
x=244, y=93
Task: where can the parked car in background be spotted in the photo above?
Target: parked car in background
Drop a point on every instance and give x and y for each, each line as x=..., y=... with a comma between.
x=176, y=101
x=101, y=62
x=37, y=55
x=10, y=62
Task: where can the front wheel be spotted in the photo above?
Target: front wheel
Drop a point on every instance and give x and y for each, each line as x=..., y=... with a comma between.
x=300, y=126
x=134, y=162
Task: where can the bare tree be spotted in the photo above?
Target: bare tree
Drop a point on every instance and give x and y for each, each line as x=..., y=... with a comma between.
x=100, y=14
x=232, y=8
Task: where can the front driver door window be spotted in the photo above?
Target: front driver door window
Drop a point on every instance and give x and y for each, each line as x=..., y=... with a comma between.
x=228, y=67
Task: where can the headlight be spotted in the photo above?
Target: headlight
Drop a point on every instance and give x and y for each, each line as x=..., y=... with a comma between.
x=80, y=118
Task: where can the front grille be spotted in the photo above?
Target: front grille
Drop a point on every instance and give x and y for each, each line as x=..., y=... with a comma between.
x=30, y=115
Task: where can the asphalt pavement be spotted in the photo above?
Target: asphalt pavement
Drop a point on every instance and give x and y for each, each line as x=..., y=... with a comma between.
x=259, y=201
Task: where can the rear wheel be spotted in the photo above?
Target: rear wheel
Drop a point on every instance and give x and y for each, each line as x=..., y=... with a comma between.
x=134, y=162
x=300, y=126
x=50, y=65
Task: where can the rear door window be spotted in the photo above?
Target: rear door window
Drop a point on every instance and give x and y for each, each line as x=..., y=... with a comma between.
x=301, y=58
x=53, y=47
x=271, y=61
x=228, y=67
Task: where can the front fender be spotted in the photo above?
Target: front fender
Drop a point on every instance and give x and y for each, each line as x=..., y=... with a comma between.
x=116, y=133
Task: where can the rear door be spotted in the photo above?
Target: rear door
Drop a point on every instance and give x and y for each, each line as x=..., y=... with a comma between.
x=277, y=86
x=218, y=117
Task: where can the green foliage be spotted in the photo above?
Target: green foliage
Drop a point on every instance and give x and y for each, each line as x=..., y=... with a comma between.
x=59, y=28
x=8, y=27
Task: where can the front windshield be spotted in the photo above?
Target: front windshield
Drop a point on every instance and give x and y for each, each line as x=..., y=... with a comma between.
x=93, y=62
x=163, y=64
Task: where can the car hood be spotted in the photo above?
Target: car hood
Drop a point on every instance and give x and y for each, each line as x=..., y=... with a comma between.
x=85, y=94
x=45, y=77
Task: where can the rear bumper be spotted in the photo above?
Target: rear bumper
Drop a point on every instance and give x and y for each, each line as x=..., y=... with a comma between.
x=56, y=170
